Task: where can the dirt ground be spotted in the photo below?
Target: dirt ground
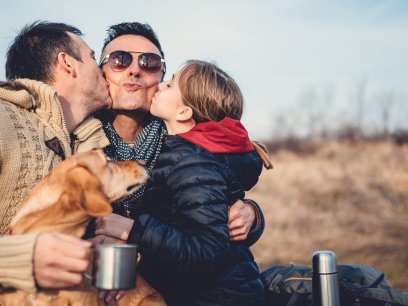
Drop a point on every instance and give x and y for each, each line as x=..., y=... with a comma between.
x=347, y=197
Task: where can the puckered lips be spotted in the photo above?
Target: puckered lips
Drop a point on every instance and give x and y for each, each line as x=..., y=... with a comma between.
x=131, y=86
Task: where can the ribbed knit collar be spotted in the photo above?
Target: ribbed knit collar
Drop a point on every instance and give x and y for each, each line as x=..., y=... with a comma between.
x=38, y=96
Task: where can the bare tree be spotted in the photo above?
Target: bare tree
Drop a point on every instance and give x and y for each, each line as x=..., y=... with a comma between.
x=282, y=128
x=326, y=98
x=358, y=98
x=317, y=104
x=308, y=101
x=385, y=101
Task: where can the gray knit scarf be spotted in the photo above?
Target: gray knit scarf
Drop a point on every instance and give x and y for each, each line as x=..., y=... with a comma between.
x=147, y=147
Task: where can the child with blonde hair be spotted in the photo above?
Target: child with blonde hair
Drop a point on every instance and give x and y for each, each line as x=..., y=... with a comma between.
x=206, y=163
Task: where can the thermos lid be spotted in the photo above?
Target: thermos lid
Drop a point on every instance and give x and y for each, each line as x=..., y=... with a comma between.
x=324, y=262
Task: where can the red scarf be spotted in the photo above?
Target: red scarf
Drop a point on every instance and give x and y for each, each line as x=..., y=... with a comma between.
x=225, y=136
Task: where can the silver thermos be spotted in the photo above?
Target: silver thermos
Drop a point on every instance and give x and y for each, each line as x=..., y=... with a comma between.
x=325, y=281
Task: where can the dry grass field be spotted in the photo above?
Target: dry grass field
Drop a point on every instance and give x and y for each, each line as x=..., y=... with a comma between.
x=348, y=197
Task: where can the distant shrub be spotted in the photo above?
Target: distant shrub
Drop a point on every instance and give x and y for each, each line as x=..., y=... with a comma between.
x=400, y=137
x=293, y=144
x=349, y=132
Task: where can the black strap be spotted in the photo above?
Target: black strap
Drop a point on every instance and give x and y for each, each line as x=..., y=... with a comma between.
x=379, y=280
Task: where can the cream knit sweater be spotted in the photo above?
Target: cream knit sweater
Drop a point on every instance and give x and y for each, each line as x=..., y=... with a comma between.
x=30, y=115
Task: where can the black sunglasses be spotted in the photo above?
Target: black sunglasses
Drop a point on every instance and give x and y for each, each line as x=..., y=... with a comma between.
x=120, y=60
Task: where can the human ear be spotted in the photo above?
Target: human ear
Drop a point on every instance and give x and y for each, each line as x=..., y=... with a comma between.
x=185, y=113
x=65, y=62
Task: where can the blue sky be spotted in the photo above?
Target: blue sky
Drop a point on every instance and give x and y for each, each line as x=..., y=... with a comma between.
x=295, y=61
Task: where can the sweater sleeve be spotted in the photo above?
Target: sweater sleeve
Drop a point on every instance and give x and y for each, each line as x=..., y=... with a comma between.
x=16, y=265
x=197, y=241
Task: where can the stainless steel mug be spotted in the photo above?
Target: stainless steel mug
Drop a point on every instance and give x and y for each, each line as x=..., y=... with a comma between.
x=325, y=283
x=114, y=266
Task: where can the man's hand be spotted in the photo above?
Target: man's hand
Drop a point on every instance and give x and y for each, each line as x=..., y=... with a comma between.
x=59, y=260
x=114, y=226
x=240, y=220
x=110, y=295
x=101, y=239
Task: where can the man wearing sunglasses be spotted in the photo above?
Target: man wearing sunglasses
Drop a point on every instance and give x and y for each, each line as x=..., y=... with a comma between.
x=133, y=64
x=53, y=84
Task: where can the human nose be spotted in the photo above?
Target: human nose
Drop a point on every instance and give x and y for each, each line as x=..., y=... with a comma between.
x=134, y=68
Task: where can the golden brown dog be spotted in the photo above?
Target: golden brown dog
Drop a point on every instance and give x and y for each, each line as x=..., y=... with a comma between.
x=82, y=186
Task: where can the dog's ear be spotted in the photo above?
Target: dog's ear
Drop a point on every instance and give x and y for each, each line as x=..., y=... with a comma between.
x=93, y=160
x=93, y=199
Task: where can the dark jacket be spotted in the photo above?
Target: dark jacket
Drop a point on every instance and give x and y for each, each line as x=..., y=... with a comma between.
x=183, y=233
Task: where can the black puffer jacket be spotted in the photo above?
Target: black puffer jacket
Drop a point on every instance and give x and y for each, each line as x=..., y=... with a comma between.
x=183, y=233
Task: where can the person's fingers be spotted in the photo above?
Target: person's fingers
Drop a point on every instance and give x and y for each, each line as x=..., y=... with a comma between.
x=111, y=219
x=50, y=248
x=119, y=295
x=59, y=260
x=66, y=245
x=72, y=239
x=56, y=278
x=110, y=296
x=238, y=238
x=114, y=240
x=112, y=232
x=72, y=250
x=95, y=240
x=114, y=226
x=235, y=210
x=238, y=233
x=73, y=264
x=102, y=294
x=102, y=239
x=236, y=224
x=233, y=214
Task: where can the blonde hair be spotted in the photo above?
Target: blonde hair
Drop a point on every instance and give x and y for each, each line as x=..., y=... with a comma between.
x=210, y=92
